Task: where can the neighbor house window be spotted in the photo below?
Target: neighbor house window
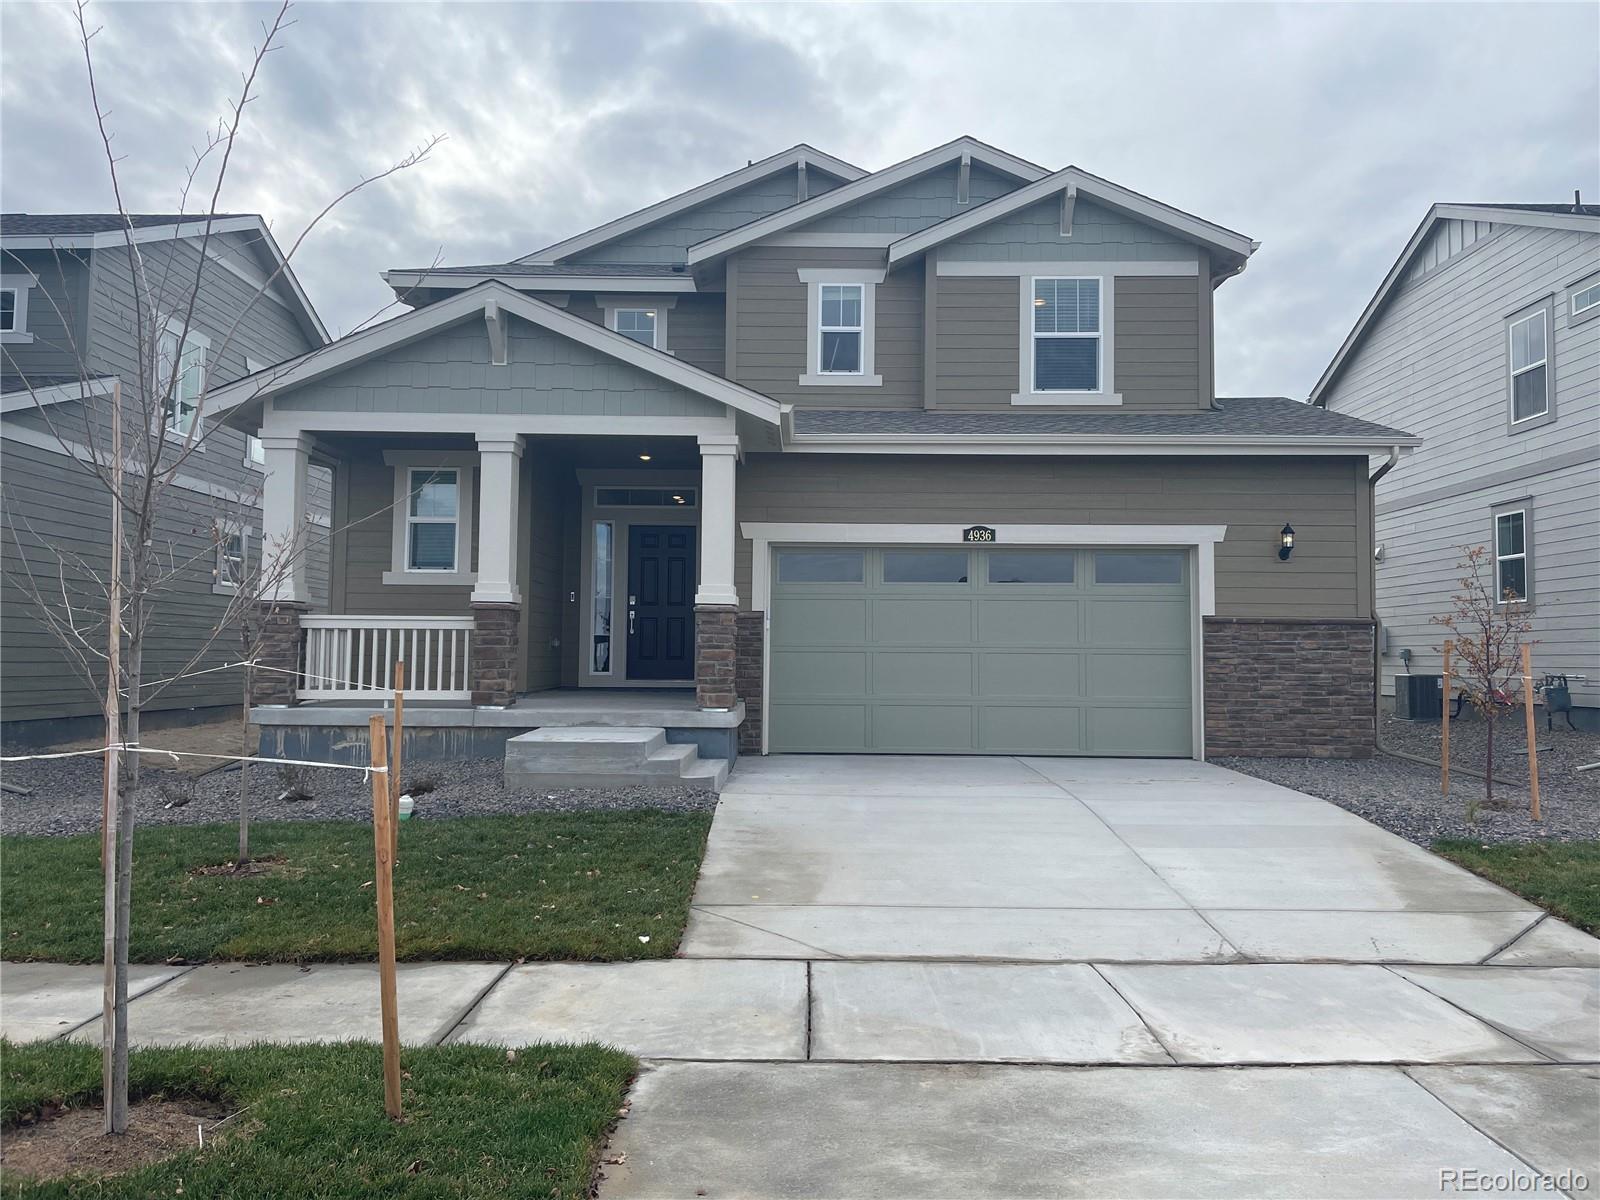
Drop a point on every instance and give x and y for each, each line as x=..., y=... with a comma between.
x=1530, y=368
x=14, y=307
x=839, y=336
x=600, y=612
x=433, y=519
x=638, y=324
x=180, y=375
x=841, y=329
x=1511, y=555
x=1583, y=301
x=231, y=558
x=1066, y=335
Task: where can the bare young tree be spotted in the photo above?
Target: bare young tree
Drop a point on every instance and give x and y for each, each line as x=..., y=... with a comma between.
x=134, y=443
x=1488, y=630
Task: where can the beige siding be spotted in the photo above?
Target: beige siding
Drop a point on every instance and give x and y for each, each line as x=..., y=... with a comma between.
x=769, y=323
x=1156, y=344
x=1253, y=497
x=976, y=348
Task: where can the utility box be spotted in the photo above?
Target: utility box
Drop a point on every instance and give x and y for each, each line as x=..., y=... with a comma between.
x=1419, y=697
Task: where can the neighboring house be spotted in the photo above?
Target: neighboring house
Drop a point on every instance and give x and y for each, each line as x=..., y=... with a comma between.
x=1484, y=338
x=921, y=459
x=67, y=336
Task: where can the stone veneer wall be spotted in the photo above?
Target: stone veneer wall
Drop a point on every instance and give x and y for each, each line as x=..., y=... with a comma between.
x=714, y=638
x=1289, y=687
x=751, y=628
x=495, y=647
x=279, y=652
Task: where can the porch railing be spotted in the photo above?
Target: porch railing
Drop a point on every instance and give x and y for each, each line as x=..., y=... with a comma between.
x=352, y=658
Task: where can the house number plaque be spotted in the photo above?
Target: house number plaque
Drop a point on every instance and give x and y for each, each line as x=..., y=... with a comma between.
x=977, y=533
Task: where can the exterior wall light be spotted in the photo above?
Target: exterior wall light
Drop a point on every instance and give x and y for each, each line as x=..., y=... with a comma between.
x=1286, y=543
x=644, y=458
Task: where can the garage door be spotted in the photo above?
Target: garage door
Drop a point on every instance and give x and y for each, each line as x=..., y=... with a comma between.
x=1036, y=651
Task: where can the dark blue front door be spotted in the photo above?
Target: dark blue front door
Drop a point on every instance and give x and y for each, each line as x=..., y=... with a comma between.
x=661, y=602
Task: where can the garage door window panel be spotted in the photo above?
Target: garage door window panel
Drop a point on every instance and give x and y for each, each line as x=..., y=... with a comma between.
x=1013, y=567
x=925, y=566
x=1137, y=567
x=821, y=566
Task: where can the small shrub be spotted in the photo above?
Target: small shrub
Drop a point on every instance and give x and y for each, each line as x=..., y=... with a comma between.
x=420, y=784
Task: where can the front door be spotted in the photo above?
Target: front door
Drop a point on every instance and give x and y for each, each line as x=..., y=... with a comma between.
x=661, y=602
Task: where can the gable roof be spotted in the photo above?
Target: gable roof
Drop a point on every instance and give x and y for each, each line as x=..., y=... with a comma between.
x=1583, y=218
x=106, y=231
x=867, y=185
x=789, y=159
x=487, y=300
x=1193, y=228
x=547, y=277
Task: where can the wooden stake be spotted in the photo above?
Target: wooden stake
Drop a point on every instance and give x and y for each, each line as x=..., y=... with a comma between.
x=1444, y=747
x=1527, y=708
x=394, y=759
x=382, y=835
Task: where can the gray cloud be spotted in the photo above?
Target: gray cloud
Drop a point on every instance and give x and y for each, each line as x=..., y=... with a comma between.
x=1325, y=131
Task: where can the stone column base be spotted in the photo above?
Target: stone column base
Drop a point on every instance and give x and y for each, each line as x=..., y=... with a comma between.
x=750, y=638
x=715, y=668
x=277, y=677
x=1289, y=687
x=495, y=645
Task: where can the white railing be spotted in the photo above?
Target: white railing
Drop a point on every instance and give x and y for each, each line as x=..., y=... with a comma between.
x=352, y=658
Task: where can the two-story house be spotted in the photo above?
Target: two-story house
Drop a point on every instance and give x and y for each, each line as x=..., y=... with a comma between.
x=70, y=331
x=1484, y=338
x=923, y=459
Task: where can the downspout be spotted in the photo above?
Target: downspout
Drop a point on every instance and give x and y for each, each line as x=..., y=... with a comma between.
x=1377, y=628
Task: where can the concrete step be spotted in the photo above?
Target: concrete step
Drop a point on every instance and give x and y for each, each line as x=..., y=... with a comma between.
x=601, y=756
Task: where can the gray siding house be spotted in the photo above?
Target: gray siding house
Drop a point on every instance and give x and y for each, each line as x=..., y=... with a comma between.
x=67, y=336
x=1484, y=338
x=812, y=458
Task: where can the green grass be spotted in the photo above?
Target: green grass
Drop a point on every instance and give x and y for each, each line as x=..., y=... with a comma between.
x=1563, y=877
x=584, y=886
x=476, y=1124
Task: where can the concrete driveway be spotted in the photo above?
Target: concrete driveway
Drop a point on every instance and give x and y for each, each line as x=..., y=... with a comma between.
x=1021, y=976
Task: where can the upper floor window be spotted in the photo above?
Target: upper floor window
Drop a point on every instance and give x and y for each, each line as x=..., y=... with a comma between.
x=1530, y=368
x=1066, y=335
x=232, y=549
x=180, y=375
x=14, y=290
x=1583, y=301
x=1511, y=555
x=638, y=324
x=841, y=329
x=840, y=336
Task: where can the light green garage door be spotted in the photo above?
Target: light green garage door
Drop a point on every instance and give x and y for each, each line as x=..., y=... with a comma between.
x=1037, y=651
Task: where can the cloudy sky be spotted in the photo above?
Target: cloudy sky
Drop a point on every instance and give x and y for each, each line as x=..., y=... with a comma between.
x=1323, y=131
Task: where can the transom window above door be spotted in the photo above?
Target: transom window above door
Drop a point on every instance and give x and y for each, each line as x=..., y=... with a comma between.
x=1066, y=335
x=645, y=497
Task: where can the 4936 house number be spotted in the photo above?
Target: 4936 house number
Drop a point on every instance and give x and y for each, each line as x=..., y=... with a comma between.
x=977, y=533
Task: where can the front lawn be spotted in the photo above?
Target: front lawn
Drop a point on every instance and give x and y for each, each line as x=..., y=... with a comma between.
x=478, y=1121
x=1563, y=877
x=598, y=886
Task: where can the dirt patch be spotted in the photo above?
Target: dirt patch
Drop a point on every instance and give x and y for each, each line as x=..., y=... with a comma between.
x=72, y=1141
x=267, y=864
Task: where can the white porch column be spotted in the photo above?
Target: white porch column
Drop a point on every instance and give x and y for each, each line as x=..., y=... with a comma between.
x=499, y=460
x=283, y=518
x=719, y=454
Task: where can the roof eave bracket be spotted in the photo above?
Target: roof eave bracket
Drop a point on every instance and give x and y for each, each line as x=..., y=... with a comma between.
x=495, y=322
x=1069, y=201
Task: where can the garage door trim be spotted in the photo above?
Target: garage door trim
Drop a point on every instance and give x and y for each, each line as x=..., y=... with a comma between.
x=1202, y=540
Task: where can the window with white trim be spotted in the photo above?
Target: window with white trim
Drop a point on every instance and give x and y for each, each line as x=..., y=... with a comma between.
x=433, y=518
x=638, y=324
x=1511, y=555
x=14, y=290
x=180, y=376
x=1067, y=334
x=1530, y=367
x=1584, y=301
x=232, y=551
x=255, y=454
x=840, y=329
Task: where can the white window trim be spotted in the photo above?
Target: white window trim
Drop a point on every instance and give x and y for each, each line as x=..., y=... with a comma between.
x=1106, y=394
x=1526, y=557
x=174, y=326
x=20, y=283
x=1542, y=316
x=1589, y=312
x=404, y=463
x=251, y=441
x=867, y=281
x=660, y=305
x=218, y=581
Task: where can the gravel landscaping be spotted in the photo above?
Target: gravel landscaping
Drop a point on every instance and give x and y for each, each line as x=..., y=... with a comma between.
x=66, y=796
x=1403, y=796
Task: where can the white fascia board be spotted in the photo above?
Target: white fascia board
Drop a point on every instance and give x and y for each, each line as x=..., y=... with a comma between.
x=808, y=210
x=405, y=280
x=1153, y=211
x=1439, y=212
x=1090, y=444
x=463, y=306
x=672, y=205
x=25, y=398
